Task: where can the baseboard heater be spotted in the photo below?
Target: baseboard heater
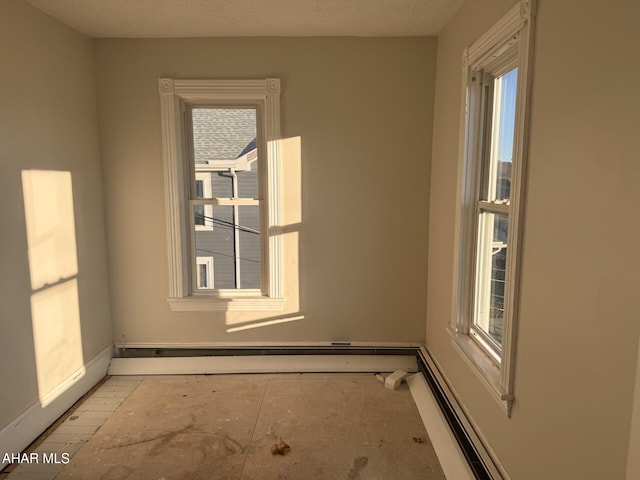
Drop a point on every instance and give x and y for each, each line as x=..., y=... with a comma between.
x=473, y=456
x=339, y=348
x=471, y=453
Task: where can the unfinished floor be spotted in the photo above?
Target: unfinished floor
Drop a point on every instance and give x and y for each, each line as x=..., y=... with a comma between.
x=338, y=426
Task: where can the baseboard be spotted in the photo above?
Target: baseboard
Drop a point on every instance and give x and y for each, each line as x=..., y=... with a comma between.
x=238, y=350
x=16, y=436
x=481, y=458
x=450, y=456
x=265, y=345
x=298, y=363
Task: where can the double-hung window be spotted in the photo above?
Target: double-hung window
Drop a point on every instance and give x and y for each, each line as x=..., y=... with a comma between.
x=496, y=69
x=222, y=186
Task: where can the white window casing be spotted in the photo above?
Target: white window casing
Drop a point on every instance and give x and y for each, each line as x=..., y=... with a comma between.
x=175, y=96
x=506, y=45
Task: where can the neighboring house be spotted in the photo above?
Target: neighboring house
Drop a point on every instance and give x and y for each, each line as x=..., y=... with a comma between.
x=227, y=238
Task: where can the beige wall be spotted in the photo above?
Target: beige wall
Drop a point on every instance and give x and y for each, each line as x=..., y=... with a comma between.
x=48, y=125
x=362, y=109
x=579, y=321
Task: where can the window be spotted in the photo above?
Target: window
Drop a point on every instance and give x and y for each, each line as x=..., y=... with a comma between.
x=222, y=171
x=224, y=157
x=493, y=159
x=204, y=273
x=203, y=214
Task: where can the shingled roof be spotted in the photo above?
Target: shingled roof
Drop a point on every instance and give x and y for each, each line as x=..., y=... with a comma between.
x=223, y=133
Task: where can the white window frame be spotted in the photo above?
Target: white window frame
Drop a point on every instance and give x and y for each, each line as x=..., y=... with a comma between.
x=505, y=45
x=175, y=97
x=205, y=177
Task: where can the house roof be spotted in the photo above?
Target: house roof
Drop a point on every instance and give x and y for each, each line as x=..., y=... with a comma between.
x=252, y=145
x=223, y=133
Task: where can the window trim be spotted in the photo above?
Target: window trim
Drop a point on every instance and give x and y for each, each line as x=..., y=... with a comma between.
x=514, y=30
x=175, y=95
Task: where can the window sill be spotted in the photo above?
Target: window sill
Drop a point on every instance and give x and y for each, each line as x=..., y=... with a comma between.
x=483, y=367
x=246, y=304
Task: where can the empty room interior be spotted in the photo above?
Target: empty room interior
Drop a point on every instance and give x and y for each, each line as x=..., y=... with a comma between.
x=220, y=220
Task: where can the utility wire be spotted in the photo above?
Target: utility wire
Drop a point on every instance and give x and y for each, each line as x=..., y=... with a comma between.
x=226, y=255
x=227, y=224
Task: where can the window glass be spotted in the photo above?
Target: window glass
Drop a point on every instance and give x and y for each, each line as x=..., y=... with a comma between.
x=249, y=245
x=203, y=278
x=219, y=244
x=226, y=157
x=199, y=218
x=234, y=244
x=491, y=275
x=502, y=134
x=225, y=143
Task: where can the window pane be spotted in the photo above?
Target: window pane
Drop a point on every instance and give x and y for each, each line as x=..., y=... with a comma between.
x=233, y=243
x=199, y=218
x=219, y=244
x=203, y=281
x=225, y=146
x=502, y=134
x=249, y=236
x=491, y=273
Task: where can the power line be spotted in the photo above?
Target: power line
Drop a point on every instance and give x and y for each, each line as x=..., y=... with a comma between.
x=226, y=255
x=227, y=224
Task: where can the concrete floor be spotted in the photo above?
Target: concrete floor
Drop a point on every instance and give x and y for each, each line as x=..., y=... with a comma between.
x=338, y=426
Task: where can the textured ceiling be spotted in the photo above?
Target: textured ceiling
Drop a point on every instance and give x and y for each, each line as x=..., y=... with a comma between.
x=249, y=18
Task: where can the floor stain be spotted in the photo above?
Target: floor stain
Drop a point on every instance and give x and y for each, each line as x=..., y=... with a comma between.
x=358, y=465
x=165, y=438
x=220, y=445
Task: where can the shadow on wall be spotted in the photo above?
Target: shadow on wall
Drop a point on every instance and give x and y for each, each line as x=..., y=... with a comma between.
x=289, y=229
x=53, y=268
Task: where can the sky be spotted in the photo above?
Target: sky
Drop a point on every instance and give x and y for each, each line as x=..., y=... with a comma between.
x=508, y=114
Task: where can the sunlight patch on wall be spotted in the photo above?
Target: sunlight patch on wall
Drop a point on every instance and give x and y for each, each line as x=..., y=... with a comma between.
x=289, y=229
x=51, y=233
x=291, y=154
x=57, y=339
x=53, y=267
x=265, y=323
